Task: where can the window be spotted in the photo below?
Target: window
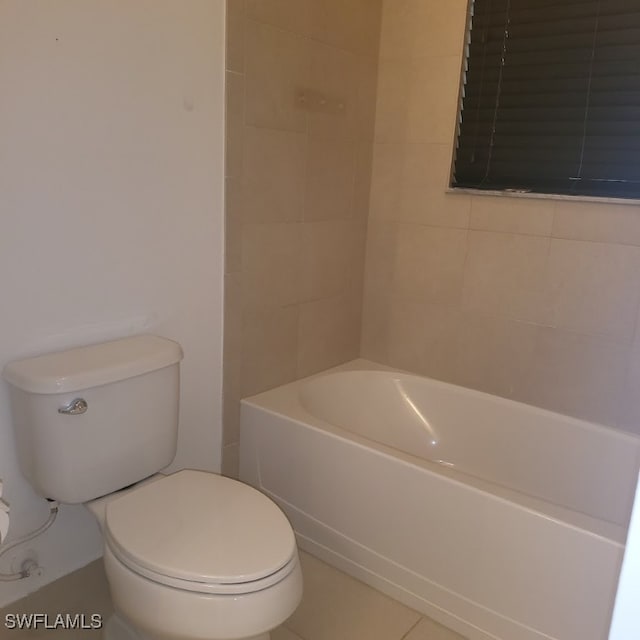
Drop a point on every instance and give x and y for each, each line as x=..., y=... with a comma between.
x=551, y=98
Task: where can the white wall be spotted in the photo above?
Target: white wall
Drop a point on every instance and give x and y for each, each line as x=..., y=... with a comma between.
x=625, y=624
x=111, y=165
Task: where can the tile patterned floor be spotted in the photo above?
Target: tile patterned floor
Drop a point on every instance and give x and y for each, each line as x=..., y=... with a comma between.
x=334, y=607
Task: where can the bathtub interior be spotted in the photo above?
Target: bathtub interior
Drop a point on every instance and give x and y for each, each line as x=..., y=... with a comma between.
x=567, y=462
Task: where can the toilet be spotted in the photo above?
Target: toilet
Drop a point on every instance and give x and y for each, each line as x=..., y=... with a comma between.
x=188, y=556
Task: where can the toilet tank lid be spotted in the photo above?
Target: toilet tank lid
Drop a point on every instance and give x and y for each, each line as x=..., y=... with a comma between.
x=93, y=365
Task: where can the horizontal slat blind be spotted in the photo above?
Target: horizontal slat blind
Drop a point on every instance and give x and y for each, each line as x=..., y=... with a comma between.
x=551, y=98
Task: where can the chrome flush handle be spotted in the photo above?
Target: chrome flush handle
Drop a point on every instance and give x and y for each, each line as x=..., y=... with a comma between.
x=75, y=407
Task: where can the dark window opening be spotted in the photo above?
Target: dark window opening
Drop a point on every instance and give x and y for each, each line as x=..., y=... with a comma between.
x=551, y=98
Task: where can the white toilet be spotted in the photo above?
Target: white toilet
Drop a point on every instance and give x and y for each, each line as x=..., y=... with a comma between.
x=188, y=556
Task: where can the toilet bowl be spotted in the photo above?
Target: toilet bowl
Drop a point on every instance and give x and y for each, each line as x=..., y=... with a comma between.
x=188, y=556
x=199, y=556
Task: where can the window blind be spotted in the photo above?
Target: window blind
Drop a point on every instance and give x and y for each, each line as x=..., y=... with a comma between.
x=551, y=98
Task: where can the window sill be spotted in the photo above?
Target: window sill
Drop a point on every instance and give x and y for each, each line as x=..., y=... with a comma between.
x=541, y=196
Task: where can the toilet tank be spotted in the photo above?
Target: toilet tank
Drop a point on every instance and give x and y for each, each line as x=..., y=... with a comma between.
x=92, y=420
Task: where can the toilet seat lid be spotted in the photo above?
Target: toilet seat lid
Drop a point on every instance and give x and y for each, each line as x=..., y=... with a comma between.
x=200, y=527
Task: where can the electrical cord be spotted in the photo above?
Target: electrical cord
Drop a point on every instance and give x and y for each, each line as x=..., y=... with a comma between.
x=26, y=572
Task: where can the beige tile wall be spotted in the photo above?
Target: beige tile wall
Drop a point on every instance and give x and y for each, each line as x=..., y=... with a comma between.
x=530, y=299
x=297, y=191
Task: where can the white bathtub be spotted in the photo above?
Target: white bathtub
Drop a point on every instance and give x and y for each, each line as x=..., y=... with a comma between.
x=500, y=520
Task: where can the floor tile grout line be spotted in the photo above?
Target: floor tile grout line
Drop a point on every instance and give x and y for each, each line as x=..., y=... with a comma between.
x=295, y=633
x=417, y=622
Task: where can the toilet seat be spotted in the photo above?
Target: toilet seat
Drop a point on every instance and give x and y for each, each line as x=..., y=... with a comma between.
x=238, y=588
x=198, y=531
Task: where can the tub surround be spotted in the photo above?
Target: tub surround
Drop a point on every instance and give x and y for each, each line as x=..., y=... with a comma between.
x=444, y=532
x=530, y=299
x=297, y=191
